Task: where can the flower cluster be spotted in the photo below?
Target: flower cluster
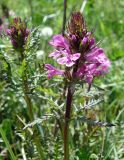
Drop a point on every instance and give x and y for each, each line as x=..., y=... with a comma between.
x=63, y=54
x=96, y=64
x=78, y=51
x=18, y=33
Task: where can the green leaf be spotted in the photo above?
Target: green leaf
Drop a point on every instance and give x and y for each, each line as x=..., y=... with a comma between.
x=13, y=157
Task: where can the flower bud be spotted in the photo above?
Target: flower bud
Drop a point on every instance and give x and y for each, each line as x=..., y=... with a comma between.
x=18, y=33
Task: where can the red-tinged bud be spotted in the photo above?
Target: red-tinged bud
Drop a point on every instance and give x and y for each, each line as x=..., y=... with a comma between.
x=77, y=25
x=18, y=33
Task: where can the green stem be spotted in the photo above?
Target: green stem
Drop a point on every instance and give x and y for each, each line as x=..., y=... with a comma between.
x=7, y=144
x=39, y=148
x=28, y=101
x=27, y=98
x=64, y=16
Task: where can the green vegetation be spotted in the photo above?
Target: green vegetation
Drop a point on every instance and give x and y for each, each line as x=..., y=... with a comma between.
x=31, y=105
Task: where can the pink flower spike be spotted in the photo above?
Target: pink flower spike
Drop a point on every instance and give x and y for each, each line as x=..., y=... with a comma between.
x=52, y=71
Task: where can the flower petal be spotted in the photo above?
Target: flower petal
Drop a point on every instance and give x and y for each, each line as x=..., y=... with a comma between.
x=59, y=41
x=52, y=71
x=55, y=54
x=62, y=60
x=75, y=56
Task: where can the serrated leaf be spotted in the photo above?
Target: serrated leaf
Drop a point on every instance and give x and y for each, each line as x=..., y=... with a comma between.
x=37, y=121
x=92, y=102
x=95, y=122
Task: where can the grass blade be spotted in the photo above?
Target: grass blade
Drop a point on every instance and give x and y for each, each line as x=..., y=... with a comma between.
x=7, y=144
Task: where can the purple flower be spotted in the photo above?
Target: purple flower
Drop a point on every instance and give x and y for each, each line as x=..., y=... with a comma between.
x=85, y=40
x=55, y=54
x=97, y=56
x=96, y=64
x=65, y=57
x=8, y=31
x=59, y=41
x=52, y=71
x=14, y=43
x=69, y=60
x=88, y=40
x=73, y=38
x=62, y=53
x=86, y=72
x=92, y=41
x=78, y=52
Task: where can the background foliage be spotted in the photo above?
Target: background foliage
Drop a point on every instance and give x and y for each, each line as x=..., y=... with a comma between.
x=106, y=17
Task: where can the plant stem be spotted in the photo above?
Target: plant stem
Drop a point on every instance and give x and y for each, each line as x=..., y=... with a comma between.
x=27, y=98
x=26, y=89
x=30, y=107
x=67, y=119
x=39, y=148
x=64, y=16
x=28, y=101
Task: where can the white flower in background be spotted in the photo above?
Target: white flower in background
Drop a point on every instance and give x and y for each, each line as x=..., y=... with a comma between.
x=12, y=13
x=47, y=32
x=39, y=54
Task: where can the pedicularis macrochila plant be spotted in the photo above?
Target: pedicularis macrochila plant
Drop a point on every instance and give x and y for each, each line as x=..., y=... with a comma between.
x=81, y=60
x=19, y=34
